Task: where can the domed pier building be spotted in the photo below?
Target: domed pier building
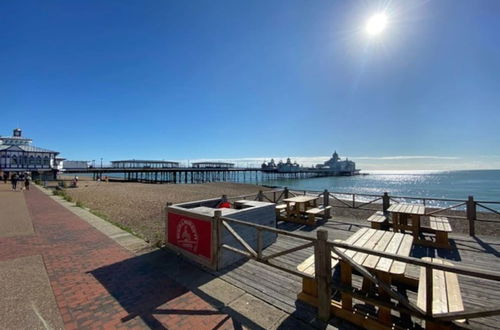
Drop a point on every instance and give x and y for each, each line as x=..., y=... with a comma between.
x=336, y=166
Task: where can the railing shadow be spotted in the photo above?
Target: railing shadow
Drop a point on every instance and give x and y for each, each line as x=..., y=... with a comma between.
x=420, y=251
x=487, y=247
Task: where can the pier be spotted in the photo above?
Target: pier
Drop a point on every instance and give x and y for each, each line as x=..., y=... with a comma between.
x=192, y=174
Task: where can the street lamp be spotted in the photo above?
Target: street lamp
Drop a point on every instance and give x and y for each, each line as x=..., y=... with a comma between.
x=101, y=162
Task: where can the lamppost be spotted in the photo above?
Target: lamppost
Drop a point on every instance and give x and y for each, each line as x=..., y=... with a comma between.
x=101, y=162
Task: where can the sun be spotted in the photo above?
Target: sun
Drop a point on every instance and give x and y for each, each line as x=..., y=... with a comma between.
x=376, y=24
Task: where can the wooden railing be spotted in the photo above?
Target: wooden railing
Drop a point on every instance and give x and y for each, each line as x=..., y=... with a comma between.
x=373, y=202
x=248, y=251
x=322, y=251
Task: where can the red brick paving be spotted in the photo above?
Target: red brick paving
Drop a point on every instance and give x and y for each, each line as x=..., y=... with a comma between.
x=100, y=285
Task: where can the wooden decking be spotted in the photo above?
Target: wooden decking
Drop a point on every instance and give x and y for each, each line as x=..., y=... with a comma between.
x=280, y=289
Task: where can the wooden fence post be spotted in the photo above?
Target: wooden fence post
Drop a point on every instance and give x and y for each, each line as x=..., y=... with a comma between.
x=326, y=202
x=326, y=198
x=386, y=202
x=323, y=265
x=217, y=243
x=285, y=192
x=471, y=215
x=260, y=197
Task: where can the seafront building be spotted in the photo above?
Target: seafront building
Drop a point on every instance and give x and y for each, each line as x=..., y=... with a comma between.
x=134, y=163
x=212, y=165
x=285, y=167
x=337, y=166
x=332, y=167
x=18, y=155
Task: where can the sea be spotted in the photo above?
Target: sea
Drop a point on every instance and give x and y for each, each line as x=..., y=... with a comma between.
x=484, y=185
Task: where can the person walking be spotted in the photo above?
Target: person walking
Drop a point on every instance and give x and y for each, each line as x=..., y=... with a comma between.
x=27, y=180
x=5, y=177
x=13, y=181
x=20, y=179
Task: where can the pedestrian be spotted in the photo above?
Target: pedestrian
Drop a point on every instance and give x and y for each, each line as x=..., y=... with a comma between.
x=13, y=181
x=5, y=177
x=27, y=180
x=20, y=178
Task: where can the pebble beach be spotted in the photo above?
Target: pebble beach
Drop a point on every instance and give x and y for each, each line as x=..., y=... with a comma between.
x=139, y=207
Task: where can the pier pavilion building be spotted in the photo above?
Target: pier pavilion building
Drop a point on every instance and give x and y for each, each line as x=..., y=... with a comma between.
x=18, y=155
x=212, y=165
x=133, y=163
x=339, y=166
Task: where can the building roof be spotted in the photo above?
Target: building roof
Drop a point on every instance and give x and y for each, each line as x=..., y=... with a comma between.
x=27, y=148
x=144, y=161
x=212, y=163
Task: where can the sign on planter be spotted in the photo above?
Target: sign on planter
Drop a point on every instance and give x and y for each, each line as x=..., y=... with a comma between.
x=190, y=234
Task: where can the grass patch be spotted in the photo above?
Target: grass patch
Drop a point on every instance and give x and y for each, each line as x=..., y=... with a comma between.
x=62, y=193
x=119, y=225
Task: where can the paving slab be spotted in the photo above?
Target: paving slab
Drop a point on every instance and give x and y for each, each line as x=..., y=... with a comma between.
x=15, y=220
x=259, y=312
x=26, y=298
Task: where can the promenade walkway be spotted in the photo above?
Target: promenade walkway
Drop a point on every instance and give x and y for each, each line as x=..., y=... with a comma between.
x=57, y=271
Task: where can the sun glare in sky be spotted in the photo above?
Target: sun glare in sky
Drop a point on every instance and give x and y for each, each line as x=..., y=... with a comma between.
x=376, y=24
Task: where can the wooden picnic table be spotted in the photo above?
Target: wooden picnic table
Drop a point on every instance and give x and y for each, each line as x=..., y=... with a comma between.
x=298, y=205
x=402, y=212
x=385, y=269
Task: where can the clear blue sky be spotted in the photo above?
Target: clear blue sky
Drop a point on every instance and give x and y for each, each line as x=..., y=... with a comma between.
x=232, y=79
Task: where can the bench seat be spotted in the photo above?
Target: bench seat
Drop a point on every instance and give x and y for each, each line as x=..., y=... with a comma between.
x=378, y=220
x=281, y=208
x=440, y=224
x=441, y=227
x=312, y=213
x=446, y=295
x=309, y=286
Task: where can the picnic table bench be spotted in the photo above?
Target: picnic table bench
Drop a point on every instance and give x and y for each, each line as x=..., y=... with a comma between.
x=378, y=220
x=446, y=295
x=281, y=210
x=441, y=227
x=401, y=213
x=297, y=207
x=312, y=213
x=385, y=269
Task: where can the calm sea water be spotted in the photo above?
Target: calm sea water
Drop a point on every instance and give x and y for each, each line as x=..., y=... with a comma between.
x=482, y=184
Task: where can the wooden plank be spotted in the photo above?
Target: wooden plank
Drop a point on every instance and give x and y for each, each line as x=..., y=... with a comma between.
x=385, y=264
x=447, y=227
x=360, y=236
x=455, y=303
x=239, y=239
x=440, y=303
x=422, y=288
x=404, y=249
x=371, y=261
x=377, y=217
x=359, y=258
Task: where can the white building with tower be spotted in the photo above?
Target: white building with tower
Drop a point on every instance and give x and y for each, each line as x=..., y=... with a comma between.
x=18, y=155
x=338, y=166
